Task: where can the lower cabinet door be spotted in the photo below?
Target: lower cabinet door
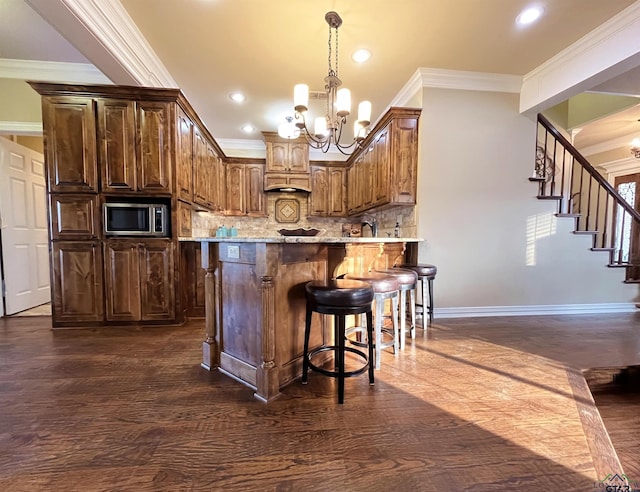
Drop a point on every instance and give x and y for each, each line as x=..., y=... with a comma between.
x=139, y=280
x=157, y=274
x=122, y=280
x=77, y=282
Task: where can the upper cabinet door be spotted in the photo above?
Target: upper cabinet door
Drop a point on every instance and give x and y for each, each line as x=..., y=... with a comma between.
x=184, y=155
x=277, y=157
x=116, y=152
x=154, y=147
x=299, y=158
x=70, y=138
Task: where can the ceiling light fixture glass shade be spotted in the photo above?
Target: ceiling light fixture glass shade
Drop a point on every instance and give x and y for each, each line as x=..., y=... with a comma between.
x=288, y=129
x=327, y=130
x=635, y=148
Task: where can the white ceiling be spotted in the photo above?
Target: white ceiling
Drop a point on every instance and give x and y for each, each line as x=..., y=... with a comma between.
x=264, y=47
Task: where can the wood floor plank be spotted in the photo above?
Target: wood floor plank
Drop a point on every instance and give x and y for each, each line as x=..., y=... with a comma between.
x=486, y=404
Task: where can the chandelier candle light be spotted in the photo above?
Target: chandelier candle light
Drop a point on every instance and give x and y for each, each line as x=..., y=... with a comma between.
x=328, y=129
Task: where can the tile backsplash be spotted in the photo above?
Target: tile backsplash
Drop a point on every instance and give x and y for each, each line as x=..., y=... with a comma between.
x=206, y=223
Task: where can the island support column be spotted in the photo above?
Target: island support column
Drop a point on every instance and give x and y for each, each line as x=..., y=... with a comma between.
x=211, y=344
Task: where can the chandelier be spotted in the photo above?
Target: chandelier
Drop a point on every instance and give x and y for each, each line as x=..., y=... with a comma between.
x=635, y=148
x=328, y=129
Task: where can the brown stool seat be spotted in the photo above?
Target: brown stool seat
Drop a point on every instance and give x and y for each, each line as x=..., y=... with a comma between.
x=380, y=282
x=408, y=280
x=404, y=276
x=423, y=270
x=339, y=293
x=384, y=287
x=426, y=275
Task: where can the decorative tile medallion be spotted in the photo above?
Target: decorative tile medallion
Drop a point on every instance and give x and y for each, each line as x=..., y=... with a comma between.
x=287, y=210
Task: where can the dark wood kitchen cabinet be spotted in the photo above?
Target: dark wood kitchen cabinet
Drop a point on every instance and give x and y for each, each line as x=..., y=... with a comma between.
x=383, y=173
x=77, y=287
x=244, y=195
x=184, y=157
x=70, y=150
x=139, y=280
x=134, y=146
x=328, y=191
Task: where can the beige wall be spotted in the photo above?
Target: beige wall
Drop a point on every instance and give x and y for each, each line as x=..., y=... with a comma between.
x=493, y=241
x=19, y=102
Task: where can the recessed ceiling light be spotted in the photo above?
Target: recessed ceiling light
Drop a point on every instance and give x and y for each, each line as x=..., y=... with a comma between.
x=529, y=15
x=361, y=56
x=248, y=129
x=238, y=97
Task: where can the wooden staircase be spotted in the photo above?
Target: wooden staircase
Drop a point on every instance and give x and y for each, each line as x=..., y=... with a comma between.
x=582, y=193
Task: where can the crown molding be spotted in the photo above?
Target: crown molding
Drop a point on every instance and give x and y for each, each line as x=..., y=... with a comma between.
x=106, y=34
x=82, y=73
x=439, y=78
x=31, y=128
x=615, y=143
x=608, y=51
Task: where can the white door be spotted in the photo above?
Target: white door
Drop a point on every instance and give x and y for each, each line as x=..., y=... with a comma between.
x=23, y=216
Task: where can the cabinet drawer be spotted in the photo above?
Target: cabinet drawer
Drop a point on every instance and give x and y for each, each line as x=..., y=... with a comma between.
x=74, y=216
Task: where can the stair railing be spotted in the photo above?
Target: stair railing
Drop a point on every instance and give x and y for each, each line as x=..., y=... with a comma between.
x=582, y=192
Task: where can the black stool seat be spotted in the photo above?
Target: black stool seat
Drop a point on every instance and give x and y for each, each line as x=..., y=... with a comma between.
x=423, y=270
x=340, y=293
x=339, y=297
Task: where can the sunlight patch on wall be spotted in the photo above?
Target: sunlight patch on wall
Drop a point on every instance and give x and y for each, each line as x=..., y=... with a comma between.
x=538, y=227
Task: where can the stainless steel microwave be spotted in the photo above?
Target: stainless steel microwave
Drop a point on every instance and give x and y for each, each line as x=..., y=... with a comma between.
x=135, y=219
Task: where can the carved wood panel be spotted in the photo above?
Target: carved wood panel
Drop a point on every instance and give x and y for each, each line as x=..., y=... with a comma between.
x=74, y=216
x=116, y=145
x=154, y=147
x=77, y=279
x=70, y=136
x=122, y=280
x=184, y=156
x=157, y=274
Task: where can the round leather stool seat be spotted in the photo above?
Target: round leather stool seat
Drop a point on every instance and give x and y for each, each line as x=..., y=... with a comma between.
x=408, y=279
x=423, y=270
x=340, y=293
x=426, y=275
x=380, y=282
x=384, y=287
x=404, y=276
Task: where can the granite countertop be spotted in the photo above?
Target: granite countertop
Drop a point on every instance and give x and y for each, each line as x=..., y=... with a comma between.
x=302, y=239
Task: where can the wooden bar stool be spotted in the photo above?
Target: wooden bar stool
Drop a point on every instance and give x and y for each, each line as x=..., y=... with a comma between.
x=407, y=279
x=426, y=275
x=384, y=287
x=340, y=298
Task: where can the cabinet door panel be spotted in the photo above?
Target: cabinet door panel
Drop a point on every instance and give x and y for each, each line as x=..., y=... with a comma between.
x=277, y=156
x=70, y=137
x=116, y=137
x=122, y=280
x=255, y=201
x=157, y=294
x=299, y=158
x=184, y=219
x=74, y=216
x=185, y=158
x=154, y=156
x=319, y=196
x=235, y=189
x=202, y=170
x=383, y=182
x=77, y=281
x=337, y=192
x=405, y=143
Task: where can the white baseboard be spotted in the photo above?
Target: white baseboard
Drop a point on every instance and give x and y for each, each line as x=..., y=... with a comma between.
x=474, y=312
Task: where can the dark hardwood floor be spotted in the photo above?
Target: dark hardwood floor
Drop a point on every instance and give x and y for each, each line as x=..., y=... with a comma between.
x=484, y=404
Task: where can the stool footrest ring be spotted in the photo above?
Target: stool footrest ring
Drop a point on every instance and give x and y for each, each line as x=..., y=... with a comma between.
x=335, y=374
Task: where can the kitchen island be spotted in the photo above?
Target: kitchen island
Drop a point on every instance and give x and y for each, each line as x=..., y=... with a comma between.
x=255, y=300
